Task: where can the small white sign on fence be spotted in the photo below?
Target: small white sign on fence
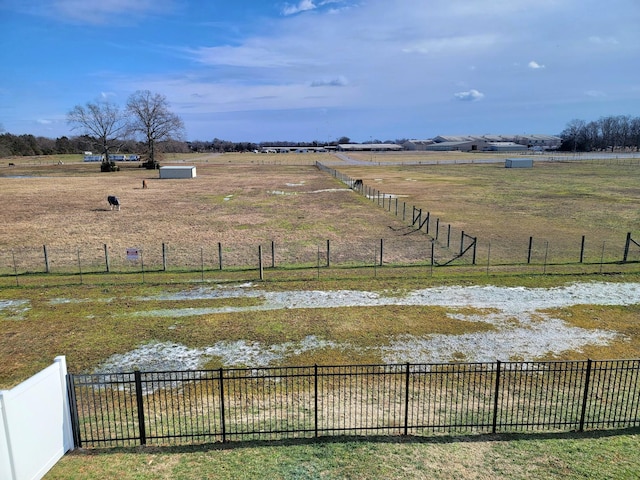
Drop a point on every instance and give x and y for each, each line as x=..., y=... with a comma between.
x=133, y=254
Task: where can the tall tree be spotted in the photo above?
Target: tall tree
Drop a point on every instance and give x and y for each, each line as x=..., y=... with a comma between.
x=103, y=123
x=152, y=119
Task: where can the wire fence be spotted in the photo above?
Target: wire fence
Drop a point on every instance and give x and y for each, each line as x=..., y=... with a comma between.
x=424, y=241
x=224, y=405
x=451, y=251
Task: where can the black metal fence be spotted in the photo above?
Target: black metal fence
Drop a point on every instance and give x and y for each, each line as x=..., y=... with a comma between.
x=305, y=402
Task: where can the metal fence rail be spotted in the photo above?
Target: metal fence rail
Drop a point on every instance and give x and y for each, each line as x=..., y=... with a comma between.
x=305, y=402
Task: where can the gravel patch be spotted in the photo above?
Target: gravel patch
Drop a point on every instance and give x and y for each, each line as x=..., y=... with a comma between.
x=522, y=330
x=14, y=309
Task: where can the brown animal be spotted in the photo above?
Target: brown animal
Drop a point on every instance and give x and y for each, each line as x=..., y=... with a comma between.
x=144, y=184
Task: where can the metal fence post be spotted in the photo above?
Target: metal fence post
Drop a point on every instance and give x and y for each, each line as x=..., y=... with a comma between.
x=406, y=400
x=315, y=394
x=139, y=402
x=222, y=413
x=585, y=395
x=73, y=411
x=496, y=393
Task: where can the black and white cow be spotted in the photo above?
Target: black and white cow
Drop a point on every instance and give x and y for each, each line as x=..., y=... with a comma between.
x=113, y=202
x=357, y=184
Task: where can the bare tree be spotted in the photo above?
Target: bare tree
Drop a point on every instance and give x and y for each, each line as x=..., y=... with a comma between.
x=151, y=118
x=103, y=123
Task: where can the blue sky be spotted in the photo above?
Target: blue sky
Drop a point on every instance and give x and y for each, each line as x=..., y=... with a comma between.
x=302, y=70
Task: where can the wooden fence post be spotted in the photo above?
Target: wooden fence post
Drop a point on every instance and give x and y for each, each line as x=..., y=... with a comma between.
x=79, y=266
x=530, y=248
x=46, y=259
x=328, y=252
x=626, y=247
x=164, y=257
x=106, y=258
x=582, y=249
x=260, y=262
x=381, y=250
x=220, y=255
x=273, y=254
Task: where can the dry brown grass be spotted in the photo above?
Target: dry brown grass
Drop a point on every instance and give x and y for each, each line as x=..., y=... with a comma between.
x=553, y=202
x=235, y=204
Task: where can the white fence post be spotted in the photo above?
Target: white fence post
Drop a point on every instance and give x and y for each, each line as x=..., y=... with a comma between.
x=36, y=426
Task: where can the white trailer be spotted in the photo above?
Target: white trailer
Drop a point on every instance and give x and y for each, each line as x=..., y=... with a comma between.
x=178, y=172
x=518, y=163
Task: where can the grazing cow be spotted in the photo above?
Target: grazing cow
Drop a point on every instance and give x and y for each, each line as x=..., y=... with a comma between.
x=113, y=202
x=11, y=164
x=144, y=184
x=357, y=184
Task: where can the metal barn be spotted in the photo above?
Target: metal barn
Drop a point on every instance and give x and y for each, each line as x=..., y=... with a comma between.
x=178, y=172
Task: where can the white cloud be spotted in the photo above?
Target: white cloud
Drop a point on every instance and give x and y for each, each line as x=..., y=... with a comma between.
x=603, y=40
x=472, y=95
x=535, y=65
x=595, y=94
x=451, y=44
x=302, y=6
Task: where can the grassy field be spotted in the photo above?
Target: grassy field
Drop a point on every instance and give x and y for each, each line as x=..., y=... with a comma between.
x=239, y=201
x=249, y=199
x=597, y=456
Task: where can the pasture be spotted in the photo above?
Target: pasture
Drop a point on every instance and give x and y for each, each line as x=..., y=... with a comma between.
x=237, y=202
x=246, y=200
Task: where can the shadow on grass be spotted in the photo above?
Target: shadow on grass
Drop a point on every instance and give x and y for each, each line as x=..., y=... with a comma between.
x=437, y=439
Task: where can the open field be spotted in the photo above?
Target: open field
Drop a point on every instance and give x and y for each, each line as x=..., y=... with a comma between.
x=243, y=203
x=556, y=203
x=240, y=203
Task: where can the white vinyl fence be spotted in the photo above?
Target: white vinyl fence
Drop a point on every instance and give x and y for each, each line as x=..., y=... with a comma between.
x=35, y=426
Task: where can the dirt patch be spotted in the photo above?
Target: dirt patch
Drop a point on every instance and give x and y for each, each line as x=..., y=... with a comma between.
x=522, y=330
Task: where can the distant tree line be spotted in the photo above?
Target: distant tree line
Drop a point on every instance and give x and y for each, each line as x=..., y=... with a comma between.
x=30, y=145
x=615, y=133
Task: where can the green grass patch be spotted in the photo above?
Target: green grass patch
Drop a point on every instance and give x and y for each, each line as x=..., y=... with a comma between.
x=594, y=455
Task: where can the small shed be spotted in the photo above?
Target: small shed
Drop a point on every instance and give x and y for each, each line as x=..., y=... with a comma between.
x=178, y=172
x=518, y=163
